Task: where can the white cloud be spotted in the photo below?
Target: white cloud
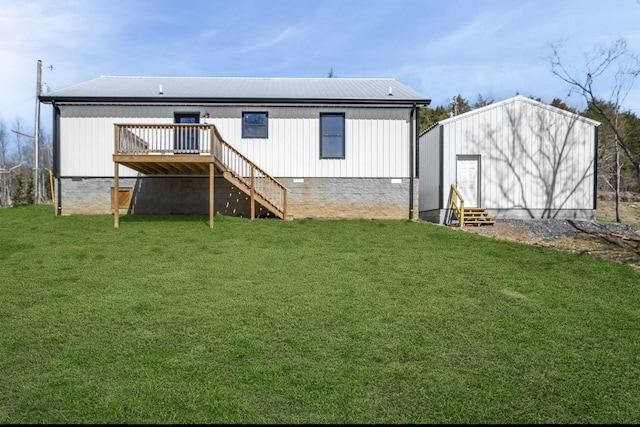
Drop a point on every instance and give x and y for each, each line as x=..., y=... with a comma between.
x=55, y=32
x=287, y=33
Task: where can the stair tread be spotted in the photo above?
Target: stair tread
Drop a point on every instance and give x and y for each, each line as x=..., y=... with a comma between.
x=477, y=217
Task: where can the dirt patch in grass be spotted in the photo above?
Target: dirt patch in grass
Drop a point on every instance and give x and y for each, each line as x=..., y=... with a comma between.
x=605, y=239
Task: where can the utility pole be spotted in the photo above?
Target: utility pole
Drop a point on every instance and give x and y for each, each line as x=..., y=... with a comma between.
x=36, y=133
x=618, y=168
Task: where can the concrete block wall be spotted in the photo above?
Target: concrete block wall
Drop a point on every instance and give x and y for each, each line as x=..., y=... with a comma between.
x=155, y=195
x=375, y=198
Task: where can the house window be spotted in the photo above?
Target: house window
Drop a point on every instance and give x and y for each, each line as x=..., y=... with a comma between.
x=186, y=140
x=255, y=125
x=332, y=136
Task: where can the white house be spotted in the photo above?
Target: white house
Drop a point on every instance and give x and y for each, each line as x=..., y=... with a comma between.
x=289, y=147
x=517, y=158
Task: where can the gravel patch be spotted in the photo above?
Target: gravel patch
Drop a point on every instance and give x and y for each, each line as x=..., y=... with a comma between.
x=611, y=241
x=547, y=229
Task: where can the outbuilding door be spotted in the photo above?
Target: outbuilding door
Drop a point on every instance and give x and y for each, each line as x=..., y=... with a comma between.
x=468, y=179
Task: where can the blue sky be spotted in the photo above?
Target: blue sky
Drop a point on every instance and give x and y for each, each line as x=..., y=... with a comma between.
x=495, y=48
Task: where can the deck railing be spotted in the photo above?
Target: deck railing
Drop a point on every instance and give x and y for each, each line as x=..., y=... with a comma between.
x=457, y=204
x=200, y=139
x=140, y=139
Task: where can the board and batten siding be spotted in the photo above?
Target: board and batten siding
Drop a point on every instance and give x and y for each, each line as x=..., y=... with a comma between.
x=377, y=138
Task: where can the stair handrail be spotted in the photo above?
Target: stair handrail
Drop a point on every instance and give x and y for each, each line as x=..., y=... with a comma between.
x=459, y=210
x=249, y=173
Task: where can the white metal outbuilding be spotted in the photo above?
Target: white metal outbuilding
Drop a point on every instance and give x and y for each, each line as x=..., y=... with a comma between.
x=518, y=158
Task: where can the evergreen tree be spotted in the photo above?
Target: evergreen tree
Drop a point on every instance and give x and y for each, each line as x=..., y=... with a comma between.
x=431, y=116
x=558, y=103
x=458, y=105
x=481, y=102
x=18, y=193
x=30, y=191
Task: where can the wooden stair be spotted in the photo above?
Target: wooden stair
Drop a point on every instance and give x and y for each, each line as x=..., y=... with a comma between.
x=477, y=217
x=259, y=198
x=250, y=179
x=466, y=216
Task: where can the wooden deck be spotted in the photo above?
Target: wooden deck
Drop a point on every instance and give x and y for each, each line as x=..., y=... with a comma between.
x=184, y=164
x=193, y=149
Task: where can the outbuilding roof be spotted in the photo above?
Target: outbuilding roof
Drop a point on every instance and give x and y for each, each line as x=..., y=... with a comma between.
x=238, y=89
x=512, y=100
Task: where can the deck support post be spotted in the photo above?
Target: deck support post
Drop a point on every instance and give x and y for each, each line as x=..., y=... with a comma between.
x=284, y=205
x=253, y=193
x=115, y=197
x=211, y=193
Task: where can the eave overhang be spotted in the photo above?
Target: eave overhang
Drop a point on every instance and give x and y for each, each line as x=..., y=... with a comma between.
x=285, y=101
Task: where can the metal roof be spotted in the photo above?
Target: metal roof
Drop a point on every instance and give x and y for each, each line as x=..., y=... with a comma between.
x=238, y=89
x=512, y=100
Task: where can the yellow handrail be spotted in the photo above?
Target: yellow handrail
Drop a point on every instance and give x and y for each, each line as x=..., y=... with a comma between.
x=53, y=196
x=459, y=210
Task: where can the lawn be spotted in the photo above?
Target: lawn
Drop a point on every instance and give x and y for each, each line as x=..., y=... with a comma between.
x=306, y=321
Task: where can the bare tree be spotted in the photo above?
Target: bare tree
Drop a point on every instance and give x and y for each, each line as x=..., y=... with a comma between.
x=21, y=154
x=10, y=166
x=22, y=144
x=625, y=67
x=5, y=190
x=16, y=164
x=4, y=143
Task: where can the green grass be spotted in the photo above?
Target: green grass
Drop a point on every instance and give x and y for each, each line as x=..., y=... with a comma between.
x=167, y=321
